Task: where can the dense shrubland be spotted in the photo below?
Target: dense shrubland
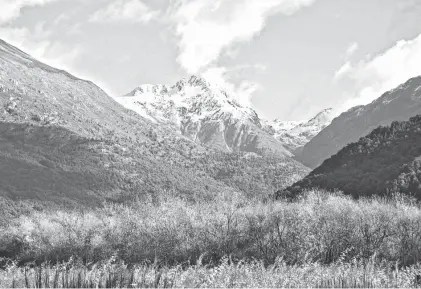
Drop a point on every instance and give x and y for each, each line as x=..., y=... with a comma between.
x=319, y=227
x=322, y=240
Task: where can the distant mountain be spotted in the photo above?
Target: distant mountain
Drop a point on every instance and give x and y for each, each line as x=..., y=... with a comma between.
x=387, y=160
x=295, y=134
x=206, y=114
x=398, y=104
x=64, y=140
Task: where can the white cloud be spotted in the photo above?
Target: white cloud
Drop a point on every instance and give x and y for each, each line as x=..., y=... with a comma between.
x=343, y=70
x=206, y=28
x=11, y=9
x=125, y=10
x=37, y=44
x=223, y=77
x=375, y=75
x=54, y=53
x=352, y=48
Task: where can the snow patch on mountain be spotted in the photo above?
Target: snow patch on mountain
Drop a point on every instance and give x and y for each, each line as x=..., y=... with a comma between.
x=295, y=134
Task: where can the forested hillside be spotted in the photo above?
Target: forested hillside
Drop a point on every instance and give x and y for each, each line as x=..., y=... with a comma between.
x=398, y=104
x=388, y=160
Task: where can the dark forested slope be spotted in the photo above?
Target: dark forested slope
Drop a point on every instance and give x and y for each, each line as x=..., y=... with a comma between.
x=398, y=104
x=385, y=161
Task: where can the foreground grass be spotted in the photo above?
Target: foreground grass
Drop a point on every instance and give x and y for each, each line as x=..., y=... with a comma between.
x=112, y=274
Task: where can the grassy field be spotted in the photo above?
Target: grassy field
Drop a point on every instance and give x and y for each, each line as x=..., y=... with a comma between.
x=322, y=240
x=114, y=274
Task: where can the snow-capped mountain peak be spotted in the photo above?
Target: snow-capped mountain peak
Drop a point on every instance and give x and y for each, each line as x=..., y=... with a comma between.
x=198, y=81
x=203, y=112
x=194, y=95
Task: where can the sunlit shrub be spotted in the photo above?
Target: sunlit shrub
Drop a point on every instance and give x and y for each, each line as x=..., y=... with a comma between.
x=320, y=227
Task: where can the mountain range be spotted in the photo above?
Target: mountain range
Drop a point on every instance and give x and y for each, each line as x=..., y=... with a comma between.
x=398, y=104
x=208, y=115
x=64, y=140
x=372, y=152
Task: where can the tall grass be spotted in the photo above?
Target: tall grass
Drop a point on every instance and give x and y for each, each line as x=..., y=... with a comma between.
x=319, y=228
x=115, y=274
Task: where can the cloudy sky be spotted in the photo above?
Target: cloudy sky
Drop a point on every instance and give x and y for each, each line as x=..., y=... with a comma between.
x=288, y=59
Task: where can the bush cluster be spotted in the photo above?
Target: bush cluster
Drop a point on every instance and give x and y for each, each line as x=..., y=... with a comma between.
x=320, y=227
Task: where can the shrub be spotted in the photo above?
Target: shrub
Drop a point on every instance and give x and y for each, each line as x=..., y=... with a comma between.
x=320, y=227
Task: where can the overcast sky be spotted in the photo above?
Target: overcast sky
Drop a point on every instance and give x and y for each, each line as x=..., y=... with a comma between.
x=288, y=59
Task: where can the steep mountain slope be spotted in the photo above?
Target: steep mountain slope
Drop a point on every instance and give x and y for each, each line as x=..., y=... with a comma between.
x=396, y=105
x=34, y=92
x=385, y=161
x=64, y=140
x=205, y=114
x=118, y=141
x=295, y=134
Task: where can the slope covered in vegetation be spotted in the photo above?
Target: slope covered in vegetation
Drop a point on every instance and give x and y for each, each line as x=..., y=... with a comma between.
x=48, y=164
x=398, y=104
x=387, y=160
x=65, y=140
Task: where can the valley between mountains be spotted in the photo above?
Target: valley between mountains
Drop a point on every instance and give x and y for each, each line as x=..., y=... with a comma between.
x=65, y=141
x=182, y=181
